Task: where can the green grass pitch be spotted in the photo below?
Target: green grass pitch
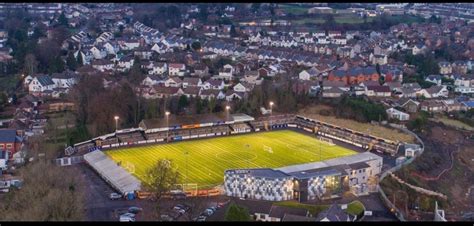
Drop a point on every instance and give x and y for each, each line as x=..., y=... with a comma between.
x=207, y=159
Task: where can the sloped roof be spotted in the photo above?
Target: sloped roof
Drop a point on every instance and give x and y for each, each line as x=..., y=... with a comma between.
x=117, y=176
x=45, y=80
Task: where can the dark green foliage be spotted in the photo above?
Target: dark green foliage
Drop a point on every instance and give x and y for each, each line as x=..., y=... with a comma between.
x=419, y=122
x=62, y=20
x=183, y=102
x=71, y=61
x=237, y=213
x=360, y=109
x=196, y=46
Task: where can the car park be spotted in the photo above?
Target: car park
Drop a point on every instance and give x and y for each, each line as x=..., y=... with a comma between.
x=201, y=218
x=115, y=196
x=208, y=212
x=135, y=209
x=165, y=217
x=132, y=215
x=127, y=217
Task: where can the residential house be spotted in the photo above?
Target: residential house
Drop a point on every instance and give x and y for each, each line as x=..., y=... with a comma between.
x=394, y=86
x=211, y=93
x=173, y=82
x=40, y=85
x=191, y=91
x=445, y=68
x=151, y=80
x=459, y=67
x=242, y=87
x=409, y=105
x=333, y=92
x=432, y=106
x=436, y=79
x=277, y=213
x=233, y=95
x=396, y=114
x=10, y=142
x=64, y=80
x=252, y=77
x=103, y=65
x=213, y=84
x=157, y=68
x=378, y=91
x=125, y=63
x=418, y=49
x=226, y=72
x=191, y=82
x=176, y=69
x=453, y=105
x=335, y=213
x=435, y=92
x=201, y=70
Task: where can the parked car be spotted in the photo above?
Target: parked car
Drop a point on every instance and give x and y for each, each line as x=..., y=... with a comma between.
x=201, y=218
x=132, y=215
x=208, y=212
x=127, y=217
x=135, y=210
x=166, y=217
x=115, y=196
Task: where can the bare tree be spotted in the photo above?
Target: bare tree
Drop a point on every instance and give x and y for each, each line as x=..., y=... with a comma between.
x=31, y=64
x=49, y=193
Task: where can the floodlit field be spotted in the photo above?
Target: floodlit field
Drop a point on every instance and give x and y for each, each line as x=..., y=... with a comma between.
x=207, y=159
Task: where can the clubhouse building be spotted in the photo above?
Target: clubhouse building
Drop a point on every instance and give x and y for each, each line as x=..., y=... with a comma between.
x=311, y=181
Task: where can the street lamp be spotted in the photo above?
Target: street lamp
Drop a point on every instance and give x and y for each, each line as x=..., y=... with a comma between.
x=167, y=114
x=227, y=108
x=116, y=122
x=271, y=113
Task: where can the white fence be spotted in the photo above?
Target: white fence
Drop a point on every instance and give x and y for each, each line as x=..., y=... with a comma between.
x=387, y=202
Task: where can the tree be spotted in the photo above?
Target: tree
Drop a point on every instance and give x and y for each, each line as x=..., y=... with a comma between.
x=233, y=33
x=71, y=61
x=203, y=13
x=196, y=46
x=161, y=178
x=256, y=7
x=237, y=213
x=46, y=195
x=79, y=60
x=183, y=102
x=31, y=64
x=211, y=104
x=56, y=65
x=62, y=20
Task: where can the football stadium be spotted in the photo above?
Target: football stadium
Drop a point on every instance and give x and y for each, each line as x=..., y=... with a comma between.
x=204, y=161
x=276, y=157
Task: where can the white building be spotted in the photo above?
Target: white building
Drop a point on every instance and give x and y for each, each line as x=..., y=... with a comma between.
x=396, y=114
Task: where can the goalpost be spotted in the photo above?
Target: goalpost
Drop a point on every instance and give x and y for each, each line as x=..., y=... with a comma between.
x=326, y=140
x=189, y=187
x=268, y=149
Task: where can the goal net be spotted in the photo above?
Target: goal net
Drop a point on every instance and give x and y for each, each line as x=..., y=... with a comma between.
x=268, y=149
x=327, y=141
x=191, y=188
x=130, y=167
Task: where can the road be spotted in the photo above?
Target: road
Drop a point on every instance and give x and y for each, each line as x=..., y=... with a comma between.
x=373, y=203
